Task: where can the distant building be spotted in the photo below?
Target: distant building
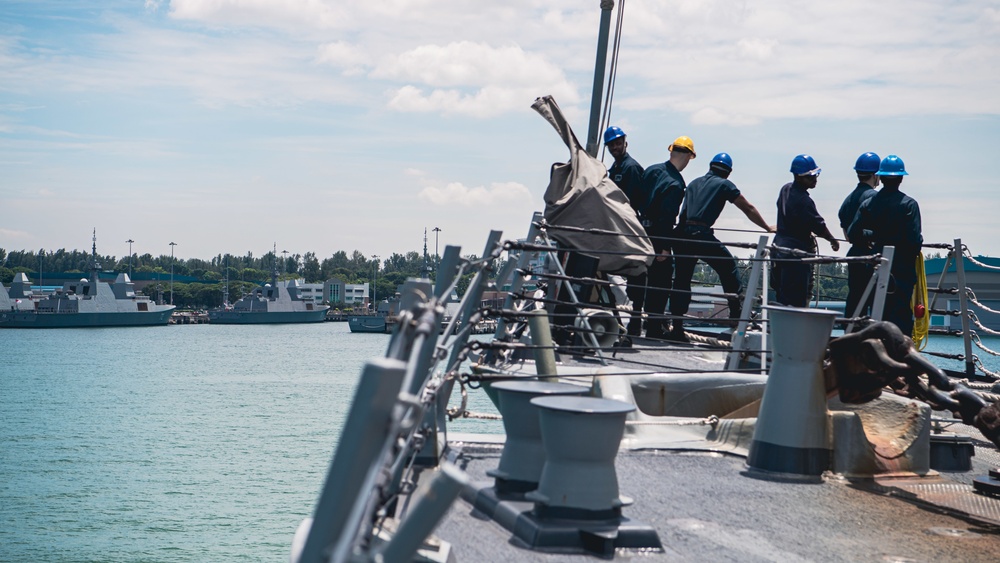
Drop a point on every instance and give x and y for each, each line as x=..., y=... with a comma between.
x=336, y=291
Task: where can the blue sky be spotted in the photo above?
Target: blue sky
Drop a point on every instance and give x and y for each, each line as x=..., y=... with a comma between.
x=320, y=125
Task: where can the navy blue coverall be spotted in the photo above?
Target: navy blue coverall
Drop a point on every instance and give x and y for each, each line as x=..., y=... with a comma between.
x=663, y=187
x=627, y=175
x=892, y=218
x=798, y=220
x=858, y=273
x=703, y=203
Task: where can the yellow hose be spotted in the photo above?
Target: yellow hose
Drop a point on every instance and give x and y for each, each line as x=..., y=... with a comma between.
x=921, y=325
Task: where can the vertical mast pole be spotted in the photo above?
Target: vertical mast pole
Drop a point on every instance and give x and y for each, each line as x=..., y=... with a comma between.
x=599, y=68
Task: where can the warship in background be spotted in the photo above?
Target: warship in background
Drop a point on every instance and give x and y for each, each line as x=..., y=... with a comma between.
x=84, y=303
x=278, y=302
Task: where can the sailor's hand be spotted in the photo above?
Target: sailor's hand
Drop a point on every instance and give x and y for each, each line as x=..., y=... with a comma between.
x=772, y=228
x=834, y=244
x=664, y=254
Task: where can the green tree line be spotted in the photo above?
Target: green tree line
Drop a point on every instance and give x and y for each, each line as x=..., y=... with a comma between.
x=243, y=272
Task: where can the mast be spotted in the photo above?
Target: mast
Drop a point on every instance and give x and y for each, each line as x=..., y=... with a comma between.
x=600, y=65
x=427, y=267
x=225, y=288
x=94, y=266
x=274, y=266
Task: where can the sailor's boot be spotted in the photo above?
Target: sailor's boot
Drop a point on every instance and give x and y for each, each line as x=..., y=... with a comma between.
x=676, y=333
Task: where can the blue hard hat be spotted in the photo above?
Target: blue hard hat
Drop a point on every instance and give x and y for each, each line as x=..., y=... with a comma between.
x=804, y=164
x=867, y=163
x=612, y=133
x=722, y=158
x=892, y=165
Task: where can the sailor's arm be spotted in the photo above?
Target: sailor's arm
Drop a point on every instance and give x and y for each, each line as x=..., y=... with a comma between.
x=748, y=209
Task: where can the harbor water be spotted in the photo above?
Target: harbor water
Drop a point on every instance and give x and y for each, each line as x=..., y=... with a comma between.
x=182, y=443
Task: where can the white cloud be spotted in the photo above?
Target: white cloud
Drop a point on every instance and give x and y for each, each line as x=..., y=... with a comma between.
x=497, y=194
x=265, y=13
x=473, y=79
x=351, y=58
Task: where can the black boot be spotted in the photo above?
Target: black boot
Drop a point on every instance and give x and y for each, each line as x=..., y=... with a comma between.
x=677, y=333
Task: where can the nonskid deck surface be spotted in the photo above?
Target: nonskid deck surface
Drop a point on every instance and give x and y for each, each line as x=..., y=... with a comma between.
x=705, y=507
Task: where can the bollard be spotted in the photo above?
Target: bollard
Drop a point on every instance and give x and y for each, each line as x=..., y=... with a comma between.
x=581, y=437
x=791, y=438
x=523, y=453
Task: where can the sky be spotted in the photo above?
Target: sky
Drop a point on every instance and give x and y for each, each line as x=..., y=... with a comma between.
x=230, y=126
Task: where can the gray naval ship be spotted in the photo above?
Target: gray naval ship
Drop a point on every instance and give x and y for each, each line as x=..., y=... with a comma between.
x=774, y=440
x=272, y=303
x=84, y=303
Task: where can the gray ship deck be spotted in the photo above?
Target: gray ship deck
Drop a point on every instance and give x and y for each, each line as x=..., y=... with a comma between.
x=706, y=508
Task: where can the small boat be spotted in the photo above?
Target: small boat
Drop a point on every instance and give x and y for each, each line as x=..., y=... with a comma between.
x=84, y=303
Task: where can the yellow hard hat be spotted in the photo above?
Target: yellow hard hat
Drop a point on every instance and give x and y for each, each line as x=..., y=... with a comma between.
x=683, y=142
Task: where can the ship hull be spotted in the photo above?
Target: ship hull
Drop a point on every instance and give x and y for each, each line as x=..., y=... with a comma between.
x=367, y=324
x=265, y=317
x=32, y=319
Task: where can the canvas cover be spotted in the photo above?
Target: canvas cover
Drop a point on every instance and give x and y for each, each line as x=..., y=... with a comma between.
x=580, y=194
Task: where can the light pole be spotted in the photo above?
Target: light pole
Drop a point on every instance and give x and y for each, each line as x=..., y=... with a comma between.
x=374, y=281
x=437, y=258
x=130, y=241
x=172, y=245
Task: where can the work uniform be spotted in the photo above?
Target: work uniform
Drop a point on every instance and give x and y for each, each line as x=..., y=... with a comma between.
x=704, y=200
x=892, y=218
x=627, y=175
x=858, y=273
x=663, y=189
x=798, y=221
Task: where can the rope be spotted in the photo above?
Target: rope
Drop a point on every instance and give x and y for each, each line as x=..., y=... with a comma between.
x=613, y=71
x=972, y=298
x=981, y=326
x=711, y=420
x=982, y=368
x=977, y=262
x=979, y=344
x=918, y=303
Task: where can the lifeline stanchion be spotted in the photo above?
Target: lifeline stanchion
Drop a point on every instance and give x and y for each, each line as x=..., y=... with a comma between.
x=791, y=439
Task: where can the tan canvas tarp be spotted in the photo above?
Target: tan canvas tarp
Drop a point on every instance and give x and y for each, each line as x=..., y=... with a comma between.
x=580, y=194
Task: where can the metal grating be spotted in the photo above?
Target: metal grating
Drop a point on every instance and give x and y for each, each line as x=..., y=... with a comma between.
x=955, y=498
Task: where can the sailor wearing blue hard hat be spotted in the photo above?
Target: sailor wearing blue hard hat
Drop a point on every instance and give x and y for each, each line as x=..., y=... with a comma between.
x=704, y=201
x=798, y=221
x=859, y=273
x=892, y=218
x=626, y=173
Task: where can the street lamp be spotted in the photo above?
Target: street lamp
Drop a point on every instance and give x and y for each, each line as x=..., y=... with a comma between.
x=172, y=245
x=437, y=257
x=130, y=241
x=374, y=281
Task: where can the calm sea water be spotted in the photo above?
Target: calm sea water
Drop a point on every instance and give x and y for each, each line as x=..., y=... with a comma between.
x=180, y=443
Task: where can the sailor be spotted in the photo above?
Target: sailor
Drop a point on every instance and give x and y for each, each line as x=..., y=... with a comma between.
x=626, y=173
x=703, y=203
x=798, y=221
x=892, y=218
x=859, y=273
x=663, y=189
